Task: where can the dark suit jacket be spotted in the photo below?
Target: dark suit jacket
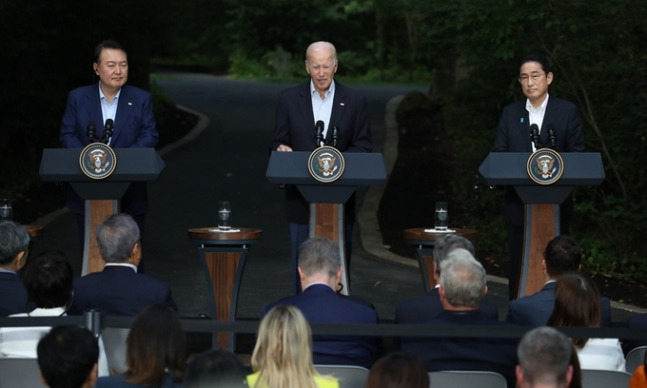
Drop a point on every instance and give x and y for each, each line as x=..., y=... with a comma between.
x=535, y=309
x=320, y=304
x=13, y=298
x=426, y=307
x=134, y=127
x=295, y=127
x=637, y=322
x=491, y=354
x=118, y=290
x=513, y=135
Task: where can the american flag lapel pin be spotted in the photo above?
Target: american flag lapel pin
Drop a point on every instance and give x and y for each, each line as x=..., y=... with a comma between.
x=342, y=104
x=130, y=103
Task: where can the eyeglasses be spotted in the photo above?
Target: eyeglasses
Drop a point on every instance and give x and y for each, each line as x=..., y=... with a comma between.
x=534, y=77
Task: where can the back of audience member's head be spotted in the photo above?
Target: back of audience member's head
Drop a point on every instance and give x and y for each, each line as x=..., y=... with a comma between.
x=156, y=345
x=116, y=237
x=446, y=244
x=13, y=240
x=462, y=279
x=67, y=357
x=283, y=351
x=317, y=255
x=398, y=370
x=562, y=255
x=49, y=279
x=577, y=304
x=215, y=368
x=545, y=359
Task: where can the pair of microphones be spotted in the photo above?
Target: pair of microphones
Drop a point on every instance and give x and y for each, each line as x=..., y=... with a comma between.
x=319, y=128
x=536, y=139
x=108, y=128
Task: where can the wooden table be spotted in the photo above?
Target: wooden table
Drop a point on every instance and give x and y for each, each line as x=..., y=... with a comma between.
x=223, y=255
x=424, y=242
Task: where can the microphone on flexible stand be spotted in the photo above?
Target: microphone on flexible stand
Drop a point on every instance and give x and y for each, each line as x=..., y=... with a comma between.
x=335, y=135
x=107, y=131
x=319, y=126
x=534, y=136
x=552, y=137
x=92, y=128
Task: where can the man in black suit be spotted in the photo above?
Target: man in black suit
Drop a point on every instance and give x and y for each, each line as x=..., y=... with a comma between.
x=428, y=306
x=551, y=115
x=562, y=255
x=14, y=243
x=342, y=110
x=462, y=288
x=119, y=289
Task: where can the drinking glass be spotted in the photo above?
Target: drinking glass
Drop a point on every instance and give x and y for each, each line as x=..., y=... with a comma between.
x=224, y=213
x=440, y=218
x=6, y=210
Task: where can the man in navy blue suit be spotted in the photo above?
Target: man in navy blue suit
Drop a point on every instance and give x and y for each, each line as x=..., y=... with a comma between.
x=428, y=306
x=320, y=272
x=342, y=110
x=562, y=255
x=129, y=108
x=14, y=243
x=462, y=288
x=119, y=289
x=551, y=115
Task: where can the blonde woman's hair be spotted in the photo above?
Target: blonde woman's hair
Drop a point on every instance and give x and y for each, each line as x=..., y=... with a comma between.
x=283, y=351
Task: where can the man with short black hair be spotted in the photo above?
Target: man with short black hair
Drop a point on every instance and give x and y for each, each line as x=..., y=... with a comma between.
x=14, y=243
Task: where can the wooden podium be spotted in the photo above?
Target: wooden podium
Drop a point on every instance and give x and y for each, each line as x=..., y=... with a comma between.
x=541, y=221
x=327, y=199
x=101, y=196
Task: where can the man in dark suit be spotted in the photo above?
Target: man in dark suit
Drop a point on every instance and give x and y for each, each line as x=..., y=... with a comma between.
x=129, y=108
x=462, y=288
x=119, y=289
x=551, y=115
x=320, y=272
x=14, y=243
x=562, y=255
x=428, y=306
x=342, y=110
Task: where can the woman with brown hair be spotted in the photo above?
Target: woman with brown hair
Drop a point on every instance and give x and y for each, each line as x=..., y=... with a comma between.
x=155, y=352
x=398, y=370
x=577, y=304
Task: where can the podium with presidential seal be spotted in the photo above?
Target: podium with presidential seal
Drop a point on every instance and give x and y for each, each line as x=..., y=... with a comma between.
x=327, y=178
x=100, y=175
x=543, y=180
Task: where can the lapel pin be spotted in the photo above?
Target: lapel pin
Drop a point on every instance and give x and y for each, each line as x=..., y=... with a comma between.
x=130, y=103
x=342, y=104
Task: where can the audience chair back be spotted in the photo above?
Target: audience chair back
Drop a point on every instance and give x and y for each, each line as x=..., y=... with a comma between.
x=114, y=341
x=593, y=378
x=466, y=379
x=635, y=358
x=349, y=376
x=20, y=372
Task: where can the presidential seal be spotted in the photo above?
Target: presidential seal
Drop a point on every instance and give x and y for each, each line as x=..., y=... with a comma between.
x=97, y=160
x=326, y=164
x=545, y=166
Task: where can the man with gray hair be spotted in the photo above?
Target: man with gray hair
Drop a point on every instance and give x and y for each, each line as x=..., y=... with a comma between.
x=320, y=272
x=462, y=288
x=544, y=359
x=14, y=244
x=428, y=306
x=119, y=289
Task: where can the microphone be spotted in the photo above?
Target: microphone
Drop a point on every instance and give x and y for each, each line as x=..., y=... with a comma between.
x=319, y=126
x=335, y=135
x=92, y=128
x=552, y=137
x=534, y=135
x=107, y=131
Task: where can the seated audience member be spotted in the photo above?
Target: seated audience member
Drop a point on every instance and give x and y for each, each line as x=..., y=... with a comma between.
x=48, y=279
x=398, y=370
x=14, y=242
x=562, y=255
x=119, y=289
x=577, y=304
x=215, y=368
x=545, y=360
x=67, y=357
x=638, y=321
x=320, y=273
x=155, y=352
x=428, y=306
x=282, y=356
x=462, y=288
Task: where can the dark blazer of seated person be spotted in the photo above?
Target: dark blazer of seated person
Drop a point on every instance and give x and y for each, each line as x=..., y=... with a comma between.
x=320, y=272
x=119, y=289
x=462, y=287
x=562, y=255
x=14, y=243
x=635, y=322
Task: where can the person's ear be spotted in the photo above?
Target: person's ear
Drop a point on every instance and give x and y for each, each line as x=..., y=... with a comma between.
x=549, y=78
x=21, y=259
x=91, y=380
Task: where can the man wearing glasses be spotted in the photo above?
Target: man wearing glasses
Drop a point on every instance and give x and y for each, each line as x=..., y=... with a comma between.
x=558, y=126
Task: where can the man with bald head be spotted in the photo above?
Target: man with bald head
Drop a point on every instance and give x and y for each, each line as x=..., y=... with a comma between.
x=342, y=110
